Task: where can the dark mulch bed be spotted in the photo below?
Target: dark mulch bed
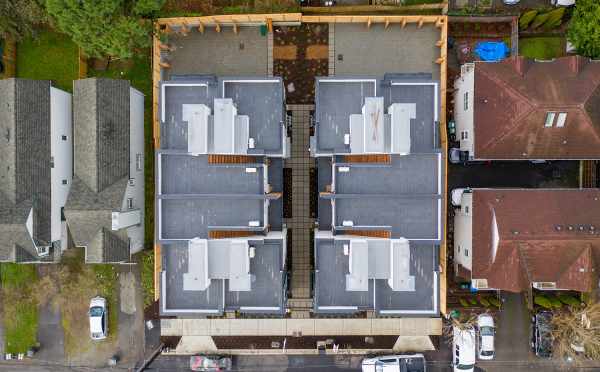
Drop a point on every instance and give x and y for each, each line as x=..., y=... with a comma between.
x=287, y=192
x=305, y=342
x=299, y=74
x=314, y=193
x=151, y=312
x=479, y=29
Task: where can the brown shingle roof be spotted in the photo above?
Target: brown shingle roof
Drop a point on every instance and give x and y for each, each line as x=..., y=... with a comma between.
x=544, y=236
x=511, y=101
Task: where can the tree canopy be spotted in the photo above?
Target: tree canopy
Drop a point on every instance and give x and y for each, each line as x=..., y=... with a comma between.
x=19, y=17
x=105, y=28
x=584, y=28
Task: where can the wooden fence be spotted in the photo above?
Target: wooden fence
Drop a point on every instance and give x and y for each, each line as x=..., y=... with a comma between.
x=9, y=58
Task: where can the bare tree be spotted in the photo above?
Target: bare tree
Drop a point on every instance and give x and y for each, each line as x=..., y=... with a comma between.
x=576, y=333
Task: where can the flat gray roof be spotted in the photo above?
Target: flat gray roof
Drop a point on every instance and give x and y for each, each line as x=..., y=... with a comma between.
x=339, y=97
x=260, y=98
x=331, y=295
x=185, y=174
x=266, y=296
x=187, y=217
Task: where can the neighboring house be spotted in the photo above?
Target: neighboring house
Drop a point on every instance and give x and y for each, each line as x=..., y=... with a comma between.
x=521, y=109
x=518, y=239
x=380, y=207
x=35, y=175
x=219, y=181
x=105, y=209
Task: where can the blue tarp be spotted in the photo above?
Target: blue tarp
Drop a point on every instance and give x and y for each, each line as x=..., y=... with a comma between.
x=491, y=50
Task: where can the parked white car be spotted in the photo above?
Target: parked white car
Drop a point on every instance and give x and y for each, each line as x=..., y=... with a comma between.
x=463, y=349
x=395, y=363
x=98, y=318
x=487, y=330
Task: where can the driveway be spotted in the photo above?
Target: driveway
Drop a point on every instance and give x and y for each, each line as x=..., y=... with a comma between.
x=50, y=335
x=518, y=174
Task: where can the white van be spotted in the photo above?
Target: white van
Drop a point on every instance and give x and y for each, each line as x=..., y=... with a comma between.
x=395, y=363
x=463, y=349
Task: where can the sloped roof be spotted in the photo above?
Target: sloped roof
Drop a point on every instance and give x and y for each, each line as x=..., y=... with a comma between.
x=544, y=236
x=25, y=170
x=512, y=99
x=101, y=131
x=101, y=126
x=89, y=216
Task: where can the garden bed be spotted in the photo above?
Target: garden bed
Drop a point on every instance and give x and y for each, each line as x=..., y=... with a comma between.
x=49, y=55
x=305, y=62
x=543, y=48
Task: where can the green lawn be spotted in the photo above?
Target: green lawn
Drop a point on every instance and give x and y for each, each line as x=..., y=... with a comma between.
x=20, y=312
x=49, y=55
x=542, y=47
x=138, y=71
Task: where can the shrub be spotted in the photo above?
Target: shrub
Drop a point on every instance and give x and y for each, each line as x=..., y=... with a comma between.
x=473, y=301
x=484, y=302
x=584, y=28
x=554, y=18
x=463, y=302
x=555, y=302
x=542, y=301
x=569, y=300
x=539, y=20
x=494, y=301
x=526, y=19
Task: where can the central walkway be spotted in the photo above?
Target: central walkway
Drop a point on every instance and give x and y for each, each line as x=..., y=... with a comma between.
x=301, y=223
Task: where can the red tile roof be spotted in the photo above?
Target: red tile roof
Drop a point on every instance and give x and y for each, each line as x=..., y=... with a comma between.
x=544, y=236
x=512, y=98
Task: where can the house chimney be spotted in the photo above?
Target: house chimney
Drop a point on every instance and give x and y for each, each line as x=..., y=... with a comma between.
x=521, y=65
x=576, y=64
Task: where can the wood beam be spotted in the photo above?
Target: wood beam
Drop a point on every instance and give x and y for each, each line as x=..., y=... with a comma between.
x=440, y=60
x=369, y=22
x=164, y=46
x=387, y=23
x=403, y=22
x=235, y=27
x=201, y=27
x=439, y=43
x=420, y=22
x=168, y=29
x=439, y=23
x=217, y=26
x=164, y=64
x=270, y=25
x=184, y=29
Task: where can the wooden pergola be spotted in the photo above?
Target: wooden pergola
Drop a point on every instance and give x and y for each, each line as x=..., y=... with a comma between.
x=183, y=25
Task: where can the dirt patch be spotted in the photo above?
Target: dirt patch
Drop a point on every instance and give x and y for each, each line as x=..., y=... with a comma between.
x=286, y=52
x=317, y=52
x=311, y=42
x=69, y=287
x=127, y=283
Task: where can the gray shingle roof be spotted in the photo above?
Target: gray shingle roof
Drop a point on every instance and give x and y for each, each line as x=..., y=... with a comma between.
x=25, y=169
x=101, y=128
